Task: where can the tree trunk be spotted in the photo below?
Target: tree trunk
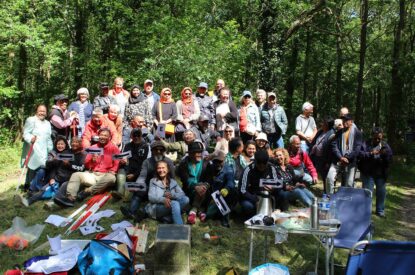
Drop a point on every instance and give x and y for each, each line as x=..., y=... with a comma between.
x=306, y=64
x=363, y=33
x=289, y=84
x=265, y=36
x=396, y=97
x=81, y=24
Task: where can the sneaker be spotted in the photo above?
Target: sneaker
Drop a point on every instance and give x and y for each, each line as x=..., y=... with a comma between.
x=64, y=201
x=126, y=212
x=116, y=195
x=50, y=205
x=140, y=215
x=381, y=214
x=202, y=216
x=225, y=221
x=22, y=200
x=83, y=195
x=191, y=219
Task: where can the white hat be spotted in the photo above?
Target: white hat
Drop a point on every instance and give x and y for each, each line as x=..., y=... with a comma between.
x=262, y=136
x=148, y=81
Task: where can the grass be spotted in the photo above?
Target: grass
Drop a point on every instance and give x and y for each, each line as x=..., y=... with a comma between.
x=208, y=257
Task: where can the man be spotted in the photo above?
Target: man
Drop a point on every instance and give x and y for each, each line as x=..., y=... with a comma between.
x=261, y=98
x=37, y=133
x=59, y=117
x=130, y=168
x=139, y=123
x=202, y=131
x=100, y=175
x=220, y=178
x=104, y=100
x=300, y=161
x=345, y=149
x=305, y=126
x=234, y=158
x=220, y=83
x=249, y=189
x=375, y=159
x=181, y=147
x=149, y=94
x=205, y=102
x=115, y=119
x=189, y=172
x=148, y=171
x=274, y=121
x=97, y=122
x=226, y=111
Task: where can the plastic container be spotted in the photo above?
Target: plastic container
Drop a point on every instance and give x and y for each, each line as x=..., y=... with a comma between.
x=324, y=208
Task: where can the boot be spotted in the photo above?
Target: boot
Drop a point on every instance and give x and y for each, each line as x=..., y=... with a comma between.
x=225, y=221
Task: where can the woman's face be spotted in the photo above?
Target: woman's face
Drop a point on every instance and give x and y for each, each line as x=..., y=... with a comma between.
x=135, y=92
x=224, y=96
x=41, y=112
x=83, y=97
x=247, y=100
x=63, y=104
x=279, y=156
x=60, y=145
x=250, y=150
x=162, y=170
x=167, y=94
x=119, y=84
x=75, y=145
x=187, y=94
x=260, y=143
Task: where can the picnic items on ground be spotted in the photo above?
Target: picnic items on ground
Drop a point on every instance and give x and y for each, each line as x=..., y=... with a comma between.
x=19, y=236
x=270, y=268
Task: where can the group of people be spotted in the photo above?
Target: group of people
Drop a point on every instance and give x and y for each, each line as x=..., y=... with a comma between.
x=163, y=158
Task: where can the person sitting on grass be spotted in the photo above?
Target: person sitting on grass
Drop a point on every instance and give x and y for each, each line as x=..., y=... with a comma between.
x=189, y=171
x=220, y=178
x=148, y=171
x=100, y=175
x=167, y=201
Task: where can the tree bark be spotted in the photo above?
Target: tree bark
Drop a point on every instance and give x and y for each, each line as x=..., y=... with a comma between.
x=306, y=64
x=289, y=84
x=265, y=36
x=396, y=97
x=362, y=56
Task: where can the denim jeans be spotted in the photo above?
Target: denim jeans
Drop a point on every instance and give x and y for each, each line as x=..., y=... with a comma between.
x=369, y=183
x=175, y=210
x=38, y=181
x=304, y=146
x=248, y=208
x=347, y=176
x=307, y=178
x=136, y=200
x=302, y=194
x=280, y=143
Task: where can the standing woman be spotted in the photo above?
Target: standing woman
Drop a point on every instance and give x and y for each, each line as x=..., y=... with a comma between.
x=166, y=199
x=188, y=110
x=120, y=94
x=83, y=108
x=37, y=132
x=165, y=110
x=59, y=117
x=249, y=121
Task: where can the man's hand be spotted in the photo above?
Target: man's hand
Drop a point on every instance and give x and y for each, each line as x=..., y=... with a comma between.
x=123, y=161
x=167, y=203
x=130, y=177
x=65, y=162
x=315, y=181
x=94, y=158
x=344, y=160
x=33, y=139
x=52, y=181
x=200, y=190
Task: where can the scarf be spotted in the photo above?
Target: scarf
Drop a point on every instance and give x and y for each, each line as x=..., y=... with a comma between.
x=81, y=114
x=348, y=140
x=162, y=96
x=134, y=100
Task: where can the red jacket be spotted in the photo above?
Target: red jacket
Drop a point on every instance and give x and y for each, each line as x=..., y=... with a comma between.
x=104, y=163
x=92, y=130
x=301, y=156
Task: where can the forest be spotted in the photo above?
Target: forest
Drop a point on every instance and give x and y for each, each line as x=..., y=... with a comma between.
x=333, y=53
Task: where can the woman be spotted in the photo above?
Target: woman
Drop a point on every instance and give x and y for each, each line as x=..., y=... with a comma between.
x=137, y=105
x=261, y=142
x=188, y=110
x=223, y=143
x=37, y=133
x=295, y=189
x=165, y=111
x=249, y=152
x=60, y=118
x=120, y=94
x=83, y=108
x=166, y=199
x=249, y=121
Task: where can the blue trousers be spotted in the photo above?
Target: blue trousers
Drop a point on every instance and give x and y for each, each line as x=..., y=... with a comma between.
x=369, y=183
x=175, y=211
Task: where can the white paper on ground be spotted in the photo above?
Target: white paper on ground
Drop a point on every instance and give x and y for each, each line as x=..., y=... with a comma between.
x=64, y=261
x=121, y=225
x=57, y=220
x=55, y=243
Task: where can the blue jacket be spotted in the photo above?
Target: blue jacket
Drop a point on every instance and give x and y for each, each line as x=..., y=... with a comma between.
x=375, y=165
x=336, y=146
x=217, y=181
x=87, y=111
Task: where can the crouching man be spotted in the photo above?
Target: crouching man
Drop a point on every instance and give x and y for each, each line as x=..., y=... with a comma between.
x=100, y=175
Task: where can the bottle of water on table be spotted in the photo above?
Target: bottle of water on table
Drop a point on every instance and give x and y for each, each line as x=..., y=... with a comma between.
x=324, y=209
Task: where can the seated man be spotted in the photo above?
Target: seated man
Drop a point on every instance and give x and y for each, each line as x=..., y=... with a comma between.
x=181, y=147
x=249, y=189
x=219, y=177
x=137, y=122
x=100, y=175
x=300, y=161
x=130, y=168
x=115, y=118
x=90, y=136
x=234, y=158
x=189, y=172
x=203, y=132
x=148, y=171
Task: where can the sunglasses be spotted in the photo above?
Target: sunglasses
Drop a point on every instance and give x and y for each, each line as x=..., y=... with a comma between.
x=188, y=94
x=228, y=131
x=166, y=94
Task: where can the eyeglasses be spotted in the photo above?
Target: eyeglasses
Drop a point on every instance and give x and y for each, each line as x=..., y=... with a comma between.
x=188, y=94
x=228, y=131
x=166, y=94
x=158, y=150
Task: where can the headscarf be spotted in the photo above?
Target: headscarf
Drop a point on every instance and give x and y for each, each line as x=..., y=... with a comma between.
x=187, y=103
x=162, y=99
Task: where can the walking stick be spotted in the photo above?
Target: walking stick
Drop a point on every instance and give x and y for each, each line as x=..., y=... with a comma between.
x=85, y=206
x=25, y=166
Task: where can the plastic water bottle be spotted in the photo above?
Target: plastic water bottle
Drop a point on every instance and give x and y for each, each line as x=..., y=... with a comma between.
x=324, y=208
x=333, y=214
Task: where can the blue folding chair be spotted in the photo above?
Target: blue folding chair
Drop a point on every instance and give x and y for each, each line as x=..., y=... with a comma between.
x=354, y=210
x=381, y=257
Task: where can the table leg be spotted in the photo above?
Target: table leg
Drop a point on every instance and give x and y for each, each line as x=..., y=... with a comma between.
x=327, y=263
x=251, y=248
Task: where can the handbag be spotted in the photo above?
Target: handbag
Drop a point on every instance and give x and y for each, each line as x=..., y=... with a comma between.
x=169, y=126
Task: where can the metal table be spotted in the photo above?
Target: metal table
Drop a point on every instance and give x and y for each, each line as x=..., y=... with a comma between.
x=324, y=235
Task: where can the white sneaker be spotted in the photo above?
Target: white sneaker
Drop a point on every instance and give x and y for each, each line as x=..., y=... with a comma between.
x=21, y=199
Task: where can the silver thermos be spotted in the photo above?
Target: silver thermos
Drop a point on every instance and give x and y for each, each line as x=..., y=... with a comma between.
x=314, y=214
x=265, y=203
